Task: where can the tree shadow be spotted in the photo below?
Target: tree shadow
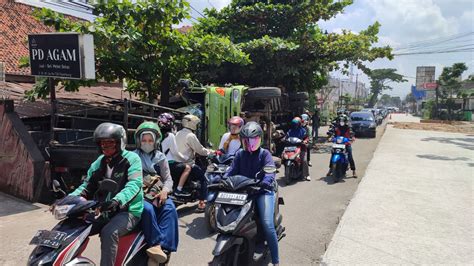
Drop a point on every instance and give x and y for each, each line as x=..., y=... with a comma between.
x=11, y=205
x=197, y=229
x=465, y=143
x=441, y=158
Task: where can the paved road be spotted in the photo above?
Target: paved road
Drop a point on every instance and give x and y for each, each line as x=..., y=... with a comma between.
x=311, y=214
x=417, y=209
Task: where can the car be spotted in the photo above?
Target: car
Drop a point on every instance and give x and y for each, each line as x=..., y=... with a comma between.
x=363, y=123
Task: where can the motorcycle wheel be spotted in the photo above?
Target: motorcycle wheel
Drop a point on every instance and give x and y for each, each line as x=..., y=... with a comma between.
x=227, y=258
x=287, y=175
x=210, y=217
x=335, y=172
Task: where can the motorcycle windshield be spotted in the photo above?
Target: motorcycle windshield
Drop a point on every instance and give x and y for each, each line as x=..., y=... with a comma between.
x=237, y=182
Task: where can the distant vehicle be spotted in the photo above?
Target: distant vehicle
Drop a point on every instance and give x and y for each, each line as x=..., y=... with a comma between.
x=363, y=123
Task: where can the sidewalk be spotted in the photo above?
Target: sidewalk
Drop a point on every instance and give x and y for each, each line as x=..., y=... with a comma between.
x=414, y=205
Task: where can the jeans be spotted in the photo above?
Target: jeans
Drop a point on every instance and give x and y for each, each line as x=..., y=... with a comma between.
x=304, y=160
x=315, y=133
x=119, y=225
x=198, y=174
x=349, y=157
x=266, y=211
x=160, y=225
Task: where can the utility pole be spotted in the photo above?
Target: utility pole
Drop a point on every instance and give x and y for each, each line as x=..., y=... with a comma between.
x=357, y=90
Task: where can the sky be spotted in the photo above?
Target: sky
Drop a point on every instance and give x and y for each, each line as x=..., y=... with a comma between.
x=431, y=25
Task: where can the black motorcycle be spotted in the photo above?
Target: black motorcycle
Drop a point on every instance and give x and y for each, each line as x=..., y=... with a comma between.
x=238, y=224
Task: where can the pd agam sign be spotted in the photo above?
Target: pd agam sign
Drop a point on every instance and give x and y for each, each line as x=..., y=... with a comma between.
x=62, y=55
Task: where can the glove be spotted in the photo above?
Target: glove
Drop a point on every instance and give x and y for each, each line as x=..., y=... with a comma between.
x=266, y=184
x=219, y=153
x=111, y=205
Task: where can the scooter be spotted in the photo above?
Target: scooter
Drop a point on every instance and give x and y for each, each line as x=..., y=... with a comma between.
x=291, y=159
x=237, y=221
x=339, y=158
x=216, y=169
x=65, y=243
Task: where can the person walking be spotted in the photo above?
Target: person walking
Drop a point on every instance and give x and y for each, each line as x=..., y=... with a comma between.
x=315, y=122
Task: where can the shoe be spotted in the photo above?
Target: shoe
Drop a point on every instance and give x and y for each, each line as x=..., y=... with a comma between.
x=309, y=164
x=180, y=193
x=308, y=178
x=329, y=173
x=354, y=173
x=157, y=254
x=201, y=207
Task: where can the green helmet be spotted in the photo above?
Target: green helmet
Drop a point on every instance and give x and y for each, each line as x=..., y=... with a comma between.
x=148, y=127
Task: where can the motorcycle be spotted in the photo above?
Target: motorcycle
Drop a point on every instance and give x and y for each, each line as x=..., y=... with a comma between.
x=237, y=221
x=65, y=243
x=291, y=159
x=217, y=167
x=339, y=158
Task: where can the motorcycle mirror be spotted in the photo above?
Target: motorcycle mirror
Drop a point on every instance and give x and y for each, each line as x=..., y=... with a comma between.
x=269, y=169
x=108, y=185
x=209, y=144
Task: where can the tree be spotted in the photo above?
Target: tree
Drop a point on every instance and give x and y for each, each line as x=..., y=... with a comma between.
x=385, y=100
x=285, y=44
x=136, y=41
x=379, y=81
x=450, y=82
x=410, y=99
x=396, y=101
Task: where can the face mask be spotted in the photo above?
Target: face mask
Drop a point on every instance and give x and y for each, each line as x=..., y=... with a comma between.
x=108, y=148
x=147, y=147
x=251, y=144
x=342, y=124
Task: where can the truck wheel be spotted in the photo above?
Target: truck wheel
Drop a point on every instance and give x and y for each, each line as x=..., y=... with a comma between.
x=264, y=92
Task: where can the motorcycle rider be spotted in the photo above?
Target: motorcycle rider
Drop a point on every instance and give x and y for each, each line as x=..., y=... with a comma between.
x=343, y=129
x=125, y=168
x=188, y=145
x=309, y=132
x=248, y=162
x=230, y=141
x=170, y=149
x=159, y=218
x=297, y=131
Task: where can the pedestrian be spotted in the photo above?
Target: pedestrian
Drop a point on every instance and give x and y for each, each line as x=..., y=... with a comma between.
x=315, y=121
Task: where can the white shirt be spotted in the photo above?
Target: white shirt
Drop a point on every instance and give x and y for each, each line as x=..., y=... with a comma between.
x=170, y=149
x=188, y=144
x=234, y=144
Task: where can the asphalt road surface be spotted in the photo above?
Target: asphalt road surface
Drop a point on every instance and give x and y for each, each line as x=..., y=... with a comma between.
x=310, y=214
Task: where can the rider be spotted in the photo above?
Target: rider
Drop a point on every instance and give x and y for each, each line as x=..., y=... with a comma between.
x=230, y=141
x=309, y=131
x=188, y=145
x=343, y=129
x=159, y=218
x=170, y=149
x=125, y=168
x=248, y=162
x=297, y=131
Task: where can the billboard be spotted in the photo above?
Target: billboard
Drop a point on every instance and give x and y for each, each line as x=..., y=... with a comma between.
x=62, y=55
x=424, y=74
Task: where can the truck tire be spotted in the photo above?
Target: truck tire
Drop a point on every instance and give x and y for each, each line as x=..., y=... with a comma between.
x=264, y=92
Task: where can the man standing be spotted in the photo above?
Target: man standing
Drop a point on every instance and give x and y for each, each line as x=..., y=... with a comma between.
x=315, y=125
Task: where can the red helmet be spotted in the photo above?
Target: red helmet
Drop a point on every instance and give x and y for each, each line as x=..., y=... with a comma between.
x=235, y=123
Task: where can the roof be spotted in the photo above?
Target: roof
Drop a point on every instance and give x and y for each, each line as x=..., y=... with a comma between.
x=101, y=95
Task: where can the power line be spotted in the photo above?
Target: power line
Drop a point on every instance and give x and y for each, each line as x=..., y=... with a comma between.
x=438, y=52
x=197, y=11
x=209, y=2
x=435, y=40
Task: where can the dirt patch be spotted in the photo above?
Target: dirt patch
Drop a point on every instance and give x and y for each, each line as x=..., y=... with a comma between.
x=458, y=127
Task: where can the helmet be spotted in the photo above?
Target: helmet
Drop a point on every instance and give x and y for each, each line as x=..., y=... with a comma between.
x=343, y=120
x=235, y=121
x=296, y=122
x=166, y=121
x=305, y=118
x=251, y=136
x=190, y=121
x=111, y=131
x=148, y=127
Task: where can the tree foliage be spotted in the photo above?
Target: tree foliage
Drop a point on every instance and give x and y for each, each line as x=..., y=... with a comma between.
x=380, y=80
x=450, y=82
x=286, y=46
x=136, y=41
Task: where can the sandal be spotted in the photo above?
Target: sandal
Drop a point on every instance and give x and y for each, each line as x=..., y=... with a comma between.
x=201, y=207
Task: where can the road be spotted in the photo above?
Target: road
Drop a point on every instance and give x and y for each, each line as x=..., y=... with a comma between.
x=311, y=214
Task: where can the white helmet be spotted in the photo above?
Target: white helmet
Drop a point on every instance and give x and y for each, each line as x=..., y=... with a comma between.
x=190, y=121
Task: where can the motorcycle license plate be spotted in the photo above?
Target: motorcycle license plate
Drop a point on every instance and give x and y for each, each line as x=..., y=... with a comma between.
x=46, y=238
x=338, y=146
x=231, y=198
x=290, y=148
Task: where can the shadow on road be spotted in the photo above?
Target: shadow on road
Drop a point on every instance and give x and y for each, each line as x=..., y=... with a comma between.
x=442, y=158
x=11, y=205
x=465, y=143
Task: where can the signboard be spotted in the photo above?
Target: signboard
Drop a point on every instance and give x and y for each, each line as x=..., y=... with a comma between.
x=62, y=55
x=430, y=86
x=424, y=74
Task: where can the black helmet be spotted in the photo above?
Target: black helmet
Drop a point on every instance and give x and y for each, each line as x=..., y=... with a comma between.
x=251, y=130
x=111, y=131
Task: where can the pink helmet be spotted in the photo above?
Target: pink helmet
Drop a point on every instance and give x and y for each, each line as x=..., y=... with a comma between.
x=235, y=123
x=166, y=120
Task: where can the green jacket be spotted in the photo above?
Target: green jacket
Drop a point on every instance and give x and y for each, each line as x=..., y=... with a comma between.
x=126, y=171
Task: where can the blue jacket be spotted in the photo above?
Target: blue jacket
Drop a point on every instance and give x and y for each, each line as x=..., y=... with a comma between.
x=249, y=164
x=298, y=132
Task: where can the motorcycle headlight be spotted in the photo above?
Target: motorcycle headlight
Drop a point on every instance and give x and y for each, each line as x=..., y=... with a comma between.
x=339, y=140
x=60, y=212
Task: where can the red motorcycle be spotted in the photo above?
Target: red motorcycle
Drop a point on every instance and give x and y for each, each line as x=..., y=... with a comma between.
x=291, y=159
